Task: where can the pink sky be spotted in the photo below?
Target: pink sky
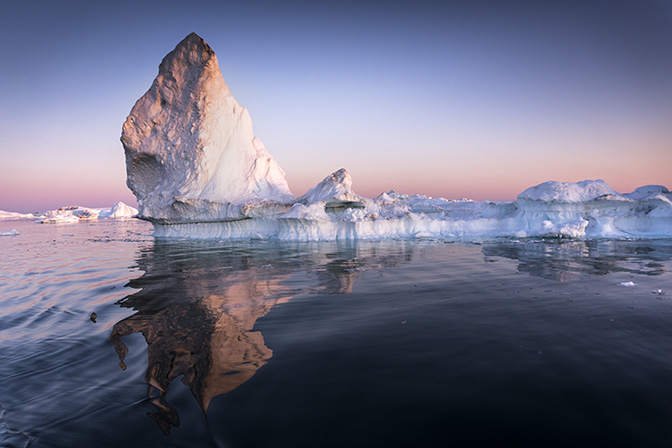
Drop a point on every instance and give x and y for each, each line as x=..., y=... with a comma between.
x=473, y=102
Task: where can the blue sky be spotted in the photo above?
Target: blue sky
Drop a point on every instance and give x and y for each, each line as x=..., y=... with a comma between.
x=474, y=99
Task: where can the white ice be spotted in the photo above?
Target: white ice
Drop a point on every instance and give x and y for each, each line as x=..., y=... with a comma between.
x=4, y=215
x=198, y=171
x=190, y=148
x=72, y=214
x=331, y=211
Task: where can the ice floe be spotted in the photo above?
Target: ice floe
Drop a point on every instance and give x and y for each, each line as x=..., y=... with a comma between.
x=74, y=213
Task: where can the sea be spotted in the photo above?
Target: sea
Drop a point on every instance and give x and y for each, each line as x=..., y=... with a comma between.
x=112, y=338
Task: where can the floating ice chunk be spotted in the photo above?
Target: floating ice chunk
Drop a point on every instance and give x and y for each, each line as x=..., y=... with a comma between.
x=12, y=232
x=75, y=213
x=69, y=214
x=58, y=219
x=15, y=216
x=119, y=211
x=628, y=284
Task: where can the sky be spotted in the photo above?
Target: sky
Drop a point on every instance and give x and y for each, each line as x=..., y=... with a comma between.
x=479, y=99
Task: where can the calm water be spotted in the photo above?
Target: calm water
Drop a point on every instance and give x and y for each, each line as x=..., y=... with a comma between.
x=109, y=338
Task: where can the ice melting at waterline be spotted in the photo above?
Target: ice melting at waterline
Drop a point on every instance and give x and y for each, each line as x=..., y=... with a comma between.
x=198, y=171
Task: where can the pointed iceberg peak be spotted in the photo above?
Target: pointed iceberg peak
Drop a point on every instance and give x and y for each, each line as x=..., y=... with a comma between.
x=191, y=51
x=335, y=187
x=194, y=39
x=194, y=42
x=191, y=154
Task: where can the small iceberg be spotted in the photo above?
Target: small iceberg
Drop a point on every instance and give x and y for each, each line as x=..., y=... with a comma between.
x=74, y=213
x=12, y=232
x=118, y=211
x=13, y=216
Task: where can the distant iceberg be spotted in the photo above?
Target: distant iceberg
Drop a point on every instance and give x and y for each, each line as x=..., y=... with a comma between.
x=74, y=213
x=118, y=211
x=198, y=171
x=4, y=215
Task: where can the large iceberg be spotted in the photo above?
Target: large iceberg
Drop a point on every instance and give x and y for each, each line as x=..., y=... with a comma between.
x=198, y=171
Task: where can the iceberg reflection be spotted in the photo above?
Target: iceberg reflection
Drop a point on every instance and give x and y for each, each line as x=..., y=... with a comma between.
x=565, y=260
x=198, y=302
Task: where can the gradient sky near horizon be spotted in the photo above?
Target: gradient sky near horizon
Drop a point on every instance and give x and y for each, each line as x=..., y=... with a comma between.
x=477, y=99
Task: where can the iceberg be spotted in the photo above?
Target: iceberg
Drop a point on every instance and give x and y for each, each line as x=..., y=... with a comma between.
x=191, y=154
x=11, y=216
x=118, y=211
x=74, y=213
x=198, y=171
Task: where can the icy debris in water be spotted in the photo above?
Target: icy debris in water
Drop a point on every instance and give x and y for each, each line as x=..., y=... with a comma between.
x=12, y=232
x=628, y=284
x=660, y=292
x=403, y=322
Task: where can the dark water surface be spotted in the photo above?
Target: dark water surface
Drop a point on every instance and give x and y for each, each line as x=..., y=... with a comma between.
x=109, y=339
